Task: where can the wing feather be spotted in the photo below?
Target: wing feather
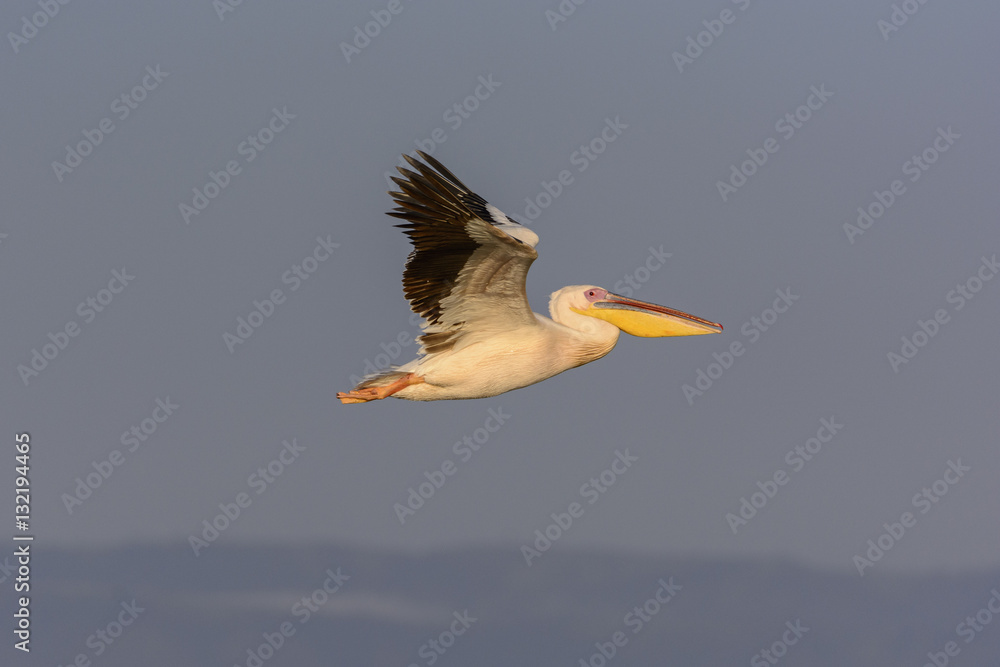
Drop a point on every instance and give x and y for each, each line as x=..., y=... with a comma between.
x=469, y=261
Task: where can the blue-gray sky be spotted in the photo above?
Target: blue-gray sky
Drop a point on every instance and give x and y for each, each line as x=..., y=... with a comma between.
x=337, y=120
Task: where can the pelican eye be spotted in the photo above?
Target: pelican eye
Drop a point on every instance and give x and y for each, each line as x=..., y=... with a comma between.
x=595, y=294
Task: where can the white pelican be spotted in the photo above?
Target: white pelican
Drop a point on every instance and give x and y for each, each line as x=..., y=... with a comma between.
x=465, y=277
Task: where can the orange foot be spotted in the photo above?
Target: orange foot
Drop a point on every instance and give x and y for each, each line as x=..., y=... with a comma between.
x=377, y=393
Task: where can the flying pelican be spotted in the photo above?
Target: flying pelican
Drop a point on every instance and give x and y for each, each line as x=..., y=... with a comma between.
x=465, y=278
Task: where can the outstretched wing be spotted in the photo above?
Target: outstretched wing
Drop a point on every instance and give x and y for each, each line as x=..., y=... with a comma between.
x=469, y=261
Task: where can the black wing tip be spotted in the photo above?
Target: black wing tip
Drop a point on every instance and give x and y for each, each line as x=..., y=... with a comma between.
x=431, y=168
x=433, y=162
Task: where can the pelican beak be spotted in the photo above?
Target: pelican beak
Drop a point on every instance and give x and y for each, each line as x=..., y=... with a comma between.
x=649, y=320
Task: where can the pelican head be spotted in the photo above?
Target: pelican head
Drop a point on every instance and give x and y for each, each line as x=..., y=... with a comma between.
x=635, y=317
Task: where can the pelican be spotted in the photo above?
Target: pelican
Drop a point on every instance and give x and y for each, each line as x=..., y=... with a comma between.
x=465, y=278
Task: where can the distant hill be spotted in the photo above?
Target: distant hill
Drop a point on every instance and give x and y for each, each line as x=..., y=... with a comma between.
x=487, y=607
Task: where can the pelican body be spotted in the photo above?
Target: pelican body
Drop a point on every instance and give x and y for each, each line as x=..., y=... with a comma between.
x=466, y=279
